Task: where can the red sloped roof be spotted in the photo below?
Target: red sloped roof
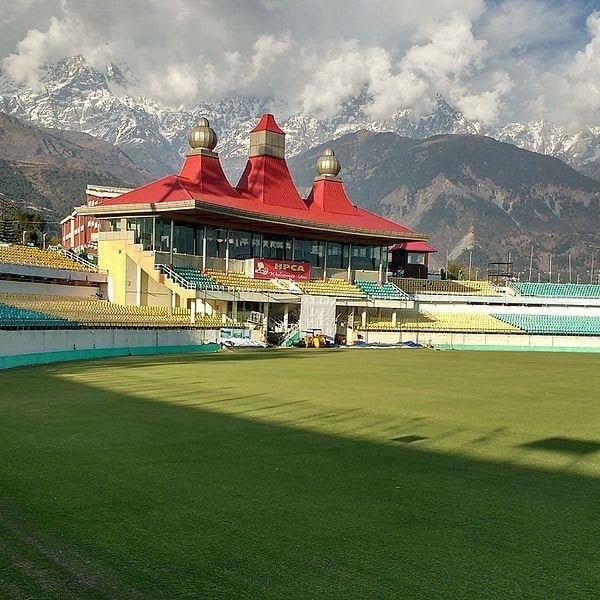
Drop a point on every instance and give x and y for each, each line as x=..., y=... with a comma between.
x=267, y=123
x=330, y=196
x=413, y=247
x=266, y=187
x=268, y=180
x=205, y=173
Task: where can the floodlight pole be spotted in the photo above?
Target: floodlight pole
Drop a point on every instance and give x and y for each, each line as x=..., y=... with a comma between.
x=530, y=263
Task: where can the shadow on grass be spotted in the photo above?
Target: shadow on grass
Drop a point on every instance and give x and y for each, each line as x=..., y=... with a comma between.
x=563, y=445
x=180, y=502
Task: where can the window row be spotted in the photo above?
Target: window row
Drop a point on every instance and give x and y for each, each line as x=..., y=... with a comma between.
x=189, y=239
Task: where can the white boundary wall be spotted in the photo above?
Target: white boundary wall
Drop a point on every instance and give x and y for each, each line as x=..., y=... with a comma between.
x=60, y=340
x=495, y=340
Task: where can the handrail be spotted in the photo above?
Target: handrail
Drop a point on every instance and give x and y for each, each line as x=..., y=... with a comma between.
x=176, y=277
x=82, y=261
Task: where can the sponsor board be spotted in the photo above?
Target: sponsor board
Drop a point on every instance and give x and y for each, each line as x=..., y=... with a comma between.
x=268, y=268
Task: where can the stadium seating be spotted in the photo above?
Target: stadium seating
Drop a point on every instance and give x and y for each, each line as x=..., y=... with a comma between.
x=242, y=283
x=558, y=290
x=197, y=278
x=383, y=291
x=446, y=286
x=34, y=257
x=12, y=317
x=443, y=322
x=331, y=287
x=100, y=313
x=553, y=324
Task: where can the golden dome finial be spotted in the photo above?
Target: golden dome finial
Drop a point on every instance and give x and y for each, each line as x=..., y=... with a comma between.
x=202, y=136
x=328, y=165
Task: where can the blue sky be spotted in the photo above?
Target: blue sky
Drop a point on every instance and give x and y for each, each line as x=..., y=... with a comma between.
x=498, y=61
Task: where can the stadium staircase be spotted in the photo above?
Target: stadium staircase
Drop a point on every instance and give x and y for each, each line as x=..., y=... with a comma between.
x=291, y=337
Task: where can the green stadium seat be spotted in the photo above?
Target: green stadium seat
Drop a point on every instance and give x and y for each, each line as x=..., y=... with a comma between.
x=553, y=324
x=557, y=290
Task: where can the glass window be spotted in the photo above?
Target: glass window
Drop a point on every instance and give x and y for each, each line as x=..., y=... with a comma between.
x=256, y=245
x=183, y=239
x=163, y=234
x=274, y=246
x=142, y=229
x=241, y=244
x=216, y=242
x=362, y=258
x=334, y=255
x=310, y=251
x=414, y=258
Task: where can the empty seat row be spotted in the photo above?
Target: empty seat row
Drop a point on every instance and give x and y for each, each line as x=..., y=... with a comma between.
x=12, y=317
x=35, y=257
x=442, y=322
x=553, y=324
x=445, y=286
x=200, y=280
x=88, y=312
x=381, y=291
x=557, y=290
x=242, y=283
x=331, y=287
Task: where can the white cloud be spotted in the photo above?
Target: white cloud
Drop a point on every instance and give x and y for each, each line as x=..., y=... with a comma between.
x=495, y=60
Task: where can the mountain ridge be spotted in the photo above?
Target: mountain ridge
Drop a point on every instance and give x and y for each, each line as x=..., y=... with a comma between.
x=75, y=96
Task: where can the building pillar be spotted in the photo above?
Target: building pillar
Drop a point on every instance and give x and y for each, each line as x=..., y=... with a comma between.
x=138, y=285
x=171, y=234
x=204, y=250
x=234, y=310
x=349, y=263
x=154, y=234
x=363, y=317
x=325, y=260
x=193, y=312
x=286, y=316
x=227, y=251
x=350, y=328
x=394, y=318
x=266, y=317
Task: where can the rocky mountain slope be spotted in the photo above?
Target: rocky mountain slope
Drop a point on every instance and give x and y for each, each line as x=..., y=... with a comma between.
x=472, y=194
x=76, y=97
x=49, y=169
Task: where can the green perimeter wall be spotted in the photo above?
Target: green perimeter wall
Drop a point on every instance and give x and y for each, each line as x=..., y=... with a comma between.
x=21, y=360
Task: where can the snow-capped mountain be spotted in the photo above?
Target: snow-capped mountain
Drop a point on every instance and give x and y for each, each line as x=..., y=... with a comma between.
x=75, y=96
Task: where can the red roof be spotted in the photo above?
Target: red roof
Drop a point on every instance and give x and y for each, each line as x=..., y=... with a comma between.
x=268, y=180
x=265, y=188
x=413, y=247
x=267, y=123
x=330, y=196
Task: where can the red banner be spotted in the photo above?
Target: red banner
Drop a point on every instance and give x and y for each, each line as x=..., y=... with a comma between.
x=268, y=268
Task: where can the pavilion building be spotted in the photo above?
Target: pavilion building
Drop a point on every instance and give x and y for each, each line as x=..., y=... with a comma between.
x=188, y=231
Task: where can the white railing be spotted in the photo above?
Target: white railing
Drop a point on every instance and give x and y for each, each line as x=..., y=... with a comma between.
x=82, y=261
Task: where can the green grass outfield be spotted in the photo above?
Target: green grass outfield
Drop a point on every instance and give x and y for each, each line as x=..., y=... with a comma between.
x=302, y=474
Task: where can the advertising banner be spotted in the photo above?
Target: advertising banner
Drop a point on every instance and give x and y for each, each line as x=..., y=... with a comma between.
x=268, y=268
